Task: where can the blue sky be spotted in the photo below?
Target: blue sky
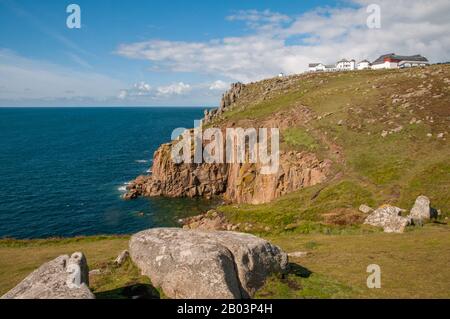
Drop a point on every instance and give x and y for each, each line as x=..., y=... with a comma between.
x=187, y=52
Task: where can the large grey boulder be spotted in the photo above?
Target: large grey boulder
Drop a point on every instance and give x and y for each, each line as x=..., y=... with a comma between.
x=62, y=278
x=422, y=209
x=389, y=218
x=193, y=264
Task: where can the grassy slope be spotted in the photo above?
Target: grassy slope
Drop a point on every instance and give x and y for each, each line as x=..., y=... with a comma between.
x=375, y=170
x=323, y=219
x=413, y=265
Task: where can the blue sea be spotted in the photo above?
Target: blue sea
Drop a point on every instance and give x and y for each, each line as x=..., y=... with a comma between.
x=63, y=170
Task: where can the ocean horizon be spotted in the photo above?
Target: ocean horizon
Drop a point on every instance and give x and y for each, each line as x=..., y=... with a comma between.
x=64, y=169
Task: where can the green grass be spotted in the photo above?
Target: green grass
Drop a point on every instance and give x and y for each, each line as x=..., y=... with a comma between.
x=300, y=284
x=298, y=138
x=434, y=181
x=266, y=108
x=115, y=282
x=413, y=265
x=303, y=210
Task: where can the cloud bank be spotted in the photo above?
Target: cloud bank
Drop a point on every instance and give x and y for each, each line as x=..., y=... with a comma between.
x=280, y=43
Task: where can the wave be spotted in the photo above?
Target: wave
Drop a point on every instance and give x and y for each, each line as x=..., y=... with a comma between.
x=142, y=161
x=123, y=188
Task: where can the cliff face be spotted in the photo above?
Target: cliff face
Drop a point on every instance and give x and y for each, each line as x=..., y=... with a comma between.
x=237, y=183
x=179, y=180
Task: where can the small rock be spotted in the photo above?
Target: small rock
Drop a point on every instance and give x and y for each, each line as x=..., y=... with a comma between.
x=421, y=209
x=123, y=256
x=365, y=209
x=398, y=129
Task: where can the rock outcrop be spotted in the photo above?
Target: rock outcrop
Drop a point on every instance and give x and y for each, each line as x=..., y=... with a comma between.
x=62, y=278
x=422, y=209
x=389, y=218
x=189, y=264
x=238, y=183
x=228, y=99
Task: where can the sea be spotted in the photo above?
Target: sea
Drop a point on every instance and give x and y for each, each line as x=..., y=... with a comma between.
x=63, y=170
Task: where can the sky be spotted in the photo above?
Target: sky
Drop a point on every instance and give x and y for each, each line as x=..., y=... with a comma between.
x=187, y=53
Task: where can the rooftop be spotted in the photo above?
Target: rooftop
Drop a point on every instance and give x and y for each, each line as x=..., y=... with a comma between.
x=416, y=57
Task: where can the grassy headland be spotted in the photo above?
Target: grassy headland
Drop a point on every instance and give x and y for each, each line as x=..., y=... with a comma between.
x=386, y=133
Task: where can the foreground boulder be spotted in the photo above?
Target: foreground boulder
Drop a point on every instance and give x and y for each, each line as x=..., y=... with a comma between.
x=389, y=218
x=192, y=264
x=62, y=278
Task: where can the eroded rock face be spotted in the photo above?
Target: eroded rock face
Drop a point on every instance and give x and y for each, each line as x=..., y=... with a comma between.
x=212, y=265
x=421, y=209
x=239, y=183
x=389, y=218
x=55, y=280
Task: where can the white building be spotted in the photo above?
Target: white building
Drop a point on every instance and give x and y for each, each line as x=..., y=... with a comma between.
x=393, y=61
x=316, y=67
x=345, y=65
x=387, y=61
x=364, y=65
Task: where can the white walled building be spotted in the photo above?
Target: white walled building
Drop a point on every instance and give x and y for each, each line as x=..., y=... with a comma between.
x=364, y=65
x=320, y=67
x=393, y=61
x=316, y=67
x=345, y=65
x=387, y=61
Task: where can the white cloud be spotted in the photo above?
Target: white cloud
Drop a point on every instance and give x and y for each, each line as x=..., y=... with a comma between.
x=260, y=20
x=123, y=94
x=173, y=89
x=142, y=87
x=143, y=90
x=218, y=85
x=278, y=43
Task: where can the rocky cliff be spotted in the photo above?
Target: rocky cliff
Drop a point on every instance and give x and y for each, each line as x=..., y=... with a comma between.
x=237, y=183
